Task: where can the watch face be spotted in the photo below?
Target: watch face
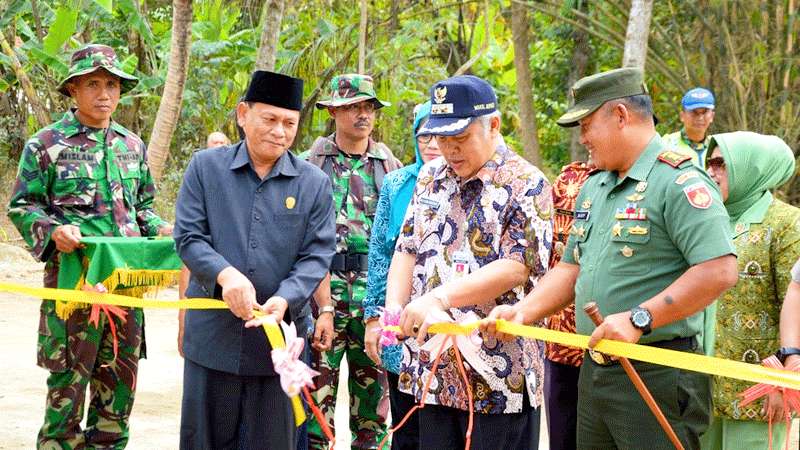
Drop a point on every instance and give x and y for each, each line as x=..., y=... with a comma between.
x=640, y=318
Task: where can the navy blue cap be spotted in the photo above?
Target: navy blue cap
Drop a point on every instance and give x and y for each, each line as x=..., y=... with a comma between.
x=455, y=102
x=697, y=98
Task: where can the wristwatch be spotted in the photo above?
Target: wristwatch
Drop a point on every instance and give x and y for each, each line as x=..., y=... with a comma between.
x=783, y=352
x=326, y=309
x=642, y=319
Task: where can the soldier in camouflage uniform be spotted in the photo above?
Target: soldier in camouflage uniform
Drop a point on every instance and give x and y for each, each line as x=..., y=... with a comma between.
x=85, y=175
x=356, y=165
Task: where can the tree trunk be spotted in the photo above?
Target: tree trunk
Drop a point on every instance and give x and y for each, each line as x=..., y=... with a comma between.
x=271, y=31
x=362, y=38
x=580, y=61
x=522, y=57
x=635, y=53
x=169, y=109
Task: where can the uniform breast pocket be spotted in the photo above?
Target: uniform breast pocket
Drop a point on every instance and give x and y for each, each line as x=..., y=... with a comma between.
x=75, y=185
x=289, y=230
x=629, y=239
x=580, y=233
x=130, y=182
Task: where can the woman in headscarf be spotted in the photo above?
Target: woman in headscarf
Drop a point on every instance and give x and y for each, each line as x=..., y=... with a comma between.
x=396, y=192
x=766, y=231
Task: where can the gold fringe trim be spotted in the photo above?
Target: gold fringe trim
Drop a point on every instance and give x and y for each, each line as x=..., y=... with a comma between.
x=139, y=282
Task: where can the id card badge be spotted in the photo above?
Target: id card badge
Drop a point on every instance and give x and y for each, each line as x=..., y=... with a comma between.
x=461, y=263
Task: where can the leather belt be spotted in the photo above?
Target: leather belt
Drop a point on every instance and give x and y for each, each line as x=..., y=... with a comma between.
x=680, y=344
x=349, y=262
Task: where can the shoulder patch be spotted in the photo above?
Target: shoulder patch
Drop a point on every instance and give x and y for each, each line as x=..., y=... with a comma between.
x=698, y=195
x=682, y=178
x=674, y=159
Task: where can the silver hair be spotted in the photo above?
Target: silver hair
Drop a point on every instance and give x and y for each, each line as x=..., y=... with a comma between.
x=486, y=119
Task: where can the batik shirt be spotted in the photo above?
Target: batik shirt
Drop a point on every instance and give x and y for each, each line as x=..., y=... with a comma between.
x=748, y=314
x=565, y=191
x=96, y=179
x=503, y=212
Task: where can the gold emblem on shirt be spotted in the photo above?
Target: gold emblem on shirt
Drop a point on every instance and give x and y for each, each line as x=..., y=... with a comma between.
x=290, y=202
x=627, y=251
x=641, y=186
x=635, y=197
x=616, y=230
x=637, y=230
x=586, y=203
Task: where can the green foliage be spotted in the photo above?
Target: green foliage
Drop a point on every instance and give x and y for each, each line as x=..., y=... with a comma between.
x=740, y=49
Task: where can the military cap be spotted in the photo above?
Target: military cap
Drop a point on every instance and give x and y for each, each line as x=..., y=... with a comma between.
x=456, y=102
x=92, y=57
x=589, y=93
x=351, y=88
x=275, y=89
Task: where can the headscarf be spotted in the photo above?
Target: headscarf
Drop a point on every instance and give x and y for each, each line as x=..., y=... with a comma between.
x=408, y=175
x=756, y=163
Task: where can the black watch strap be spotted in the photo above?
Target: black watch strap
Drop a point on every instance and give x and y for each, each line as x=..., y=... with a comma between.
x=784, y=352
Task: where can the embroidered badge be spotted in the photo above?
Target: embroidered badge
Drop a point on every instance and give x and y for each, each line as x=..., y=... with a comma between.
x=698, y=195
x=581, y=215
x=682, y=178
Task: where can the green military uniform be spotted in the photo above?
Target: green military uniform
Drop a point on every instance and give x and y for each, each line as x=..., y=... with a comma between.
x=356, y=184
x=632, y=238
x=680, y=142
x=97, y=179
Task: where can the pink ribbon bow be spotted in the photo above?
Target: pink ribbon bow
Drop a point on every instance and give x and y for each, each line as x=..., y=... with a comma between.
x=468, y=345
x=791, y=397
x=388, y=318
x=295, y=374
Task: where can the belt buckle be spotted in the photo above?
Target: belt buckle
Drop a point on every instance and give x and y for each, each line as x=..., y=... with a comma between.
x=601, y=358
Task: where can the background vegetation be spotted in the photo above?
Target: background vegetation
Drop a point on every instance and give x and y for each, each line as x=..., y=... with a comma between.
x=745, y=51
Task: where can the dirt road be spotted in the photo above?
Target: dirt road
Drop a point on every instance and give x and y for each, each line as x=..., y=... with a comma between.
x=155, y=419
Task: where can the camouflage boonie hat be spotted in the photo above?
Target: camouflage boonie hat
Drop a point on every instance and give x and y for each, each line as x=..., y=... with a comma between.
x=590, y=93
x=351, y=88
x=93, y=57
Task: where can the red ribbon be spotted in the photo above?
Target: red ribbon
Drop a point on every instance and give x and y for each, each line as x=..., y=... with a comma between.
x=791, y=397
x=110, y=311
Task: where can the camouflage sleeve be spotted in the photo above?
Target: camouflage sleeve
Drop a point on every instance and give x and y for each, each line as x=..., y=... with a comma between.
x=28, y=206
x=149, y=221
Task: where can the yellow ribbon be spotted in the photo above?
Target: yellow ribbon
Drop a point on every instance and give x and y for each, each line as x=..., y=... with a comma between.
x=682, y=360
x=270, y=328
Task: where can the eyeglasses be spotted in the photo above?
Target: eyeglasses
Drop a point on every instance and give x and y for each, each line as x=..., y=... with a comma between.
x=425, y=139
x=716, y=163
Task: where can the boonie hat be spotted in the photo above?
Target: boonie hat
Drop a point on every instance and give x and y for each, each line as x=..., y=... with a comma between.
x=351, y=88
x=92, y=57
x=456, y=102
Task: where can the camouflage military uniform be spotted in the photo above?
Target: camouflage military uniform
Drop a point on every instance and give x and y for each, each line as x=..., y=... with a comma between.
x=355, y=197
x=96, y=179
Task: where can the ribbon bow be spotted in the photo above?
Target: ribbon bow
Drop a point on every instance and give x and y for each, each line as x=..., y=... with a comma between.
x=110, y=311
x=388, y=321
x=295, y=374
x=791, y=397
x=469, y=345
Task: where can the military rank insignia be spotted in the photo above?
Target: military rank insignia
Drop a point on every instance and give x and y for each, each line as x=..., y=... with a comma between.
x=672, y=158
x=698, y=195
x=631, y=211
